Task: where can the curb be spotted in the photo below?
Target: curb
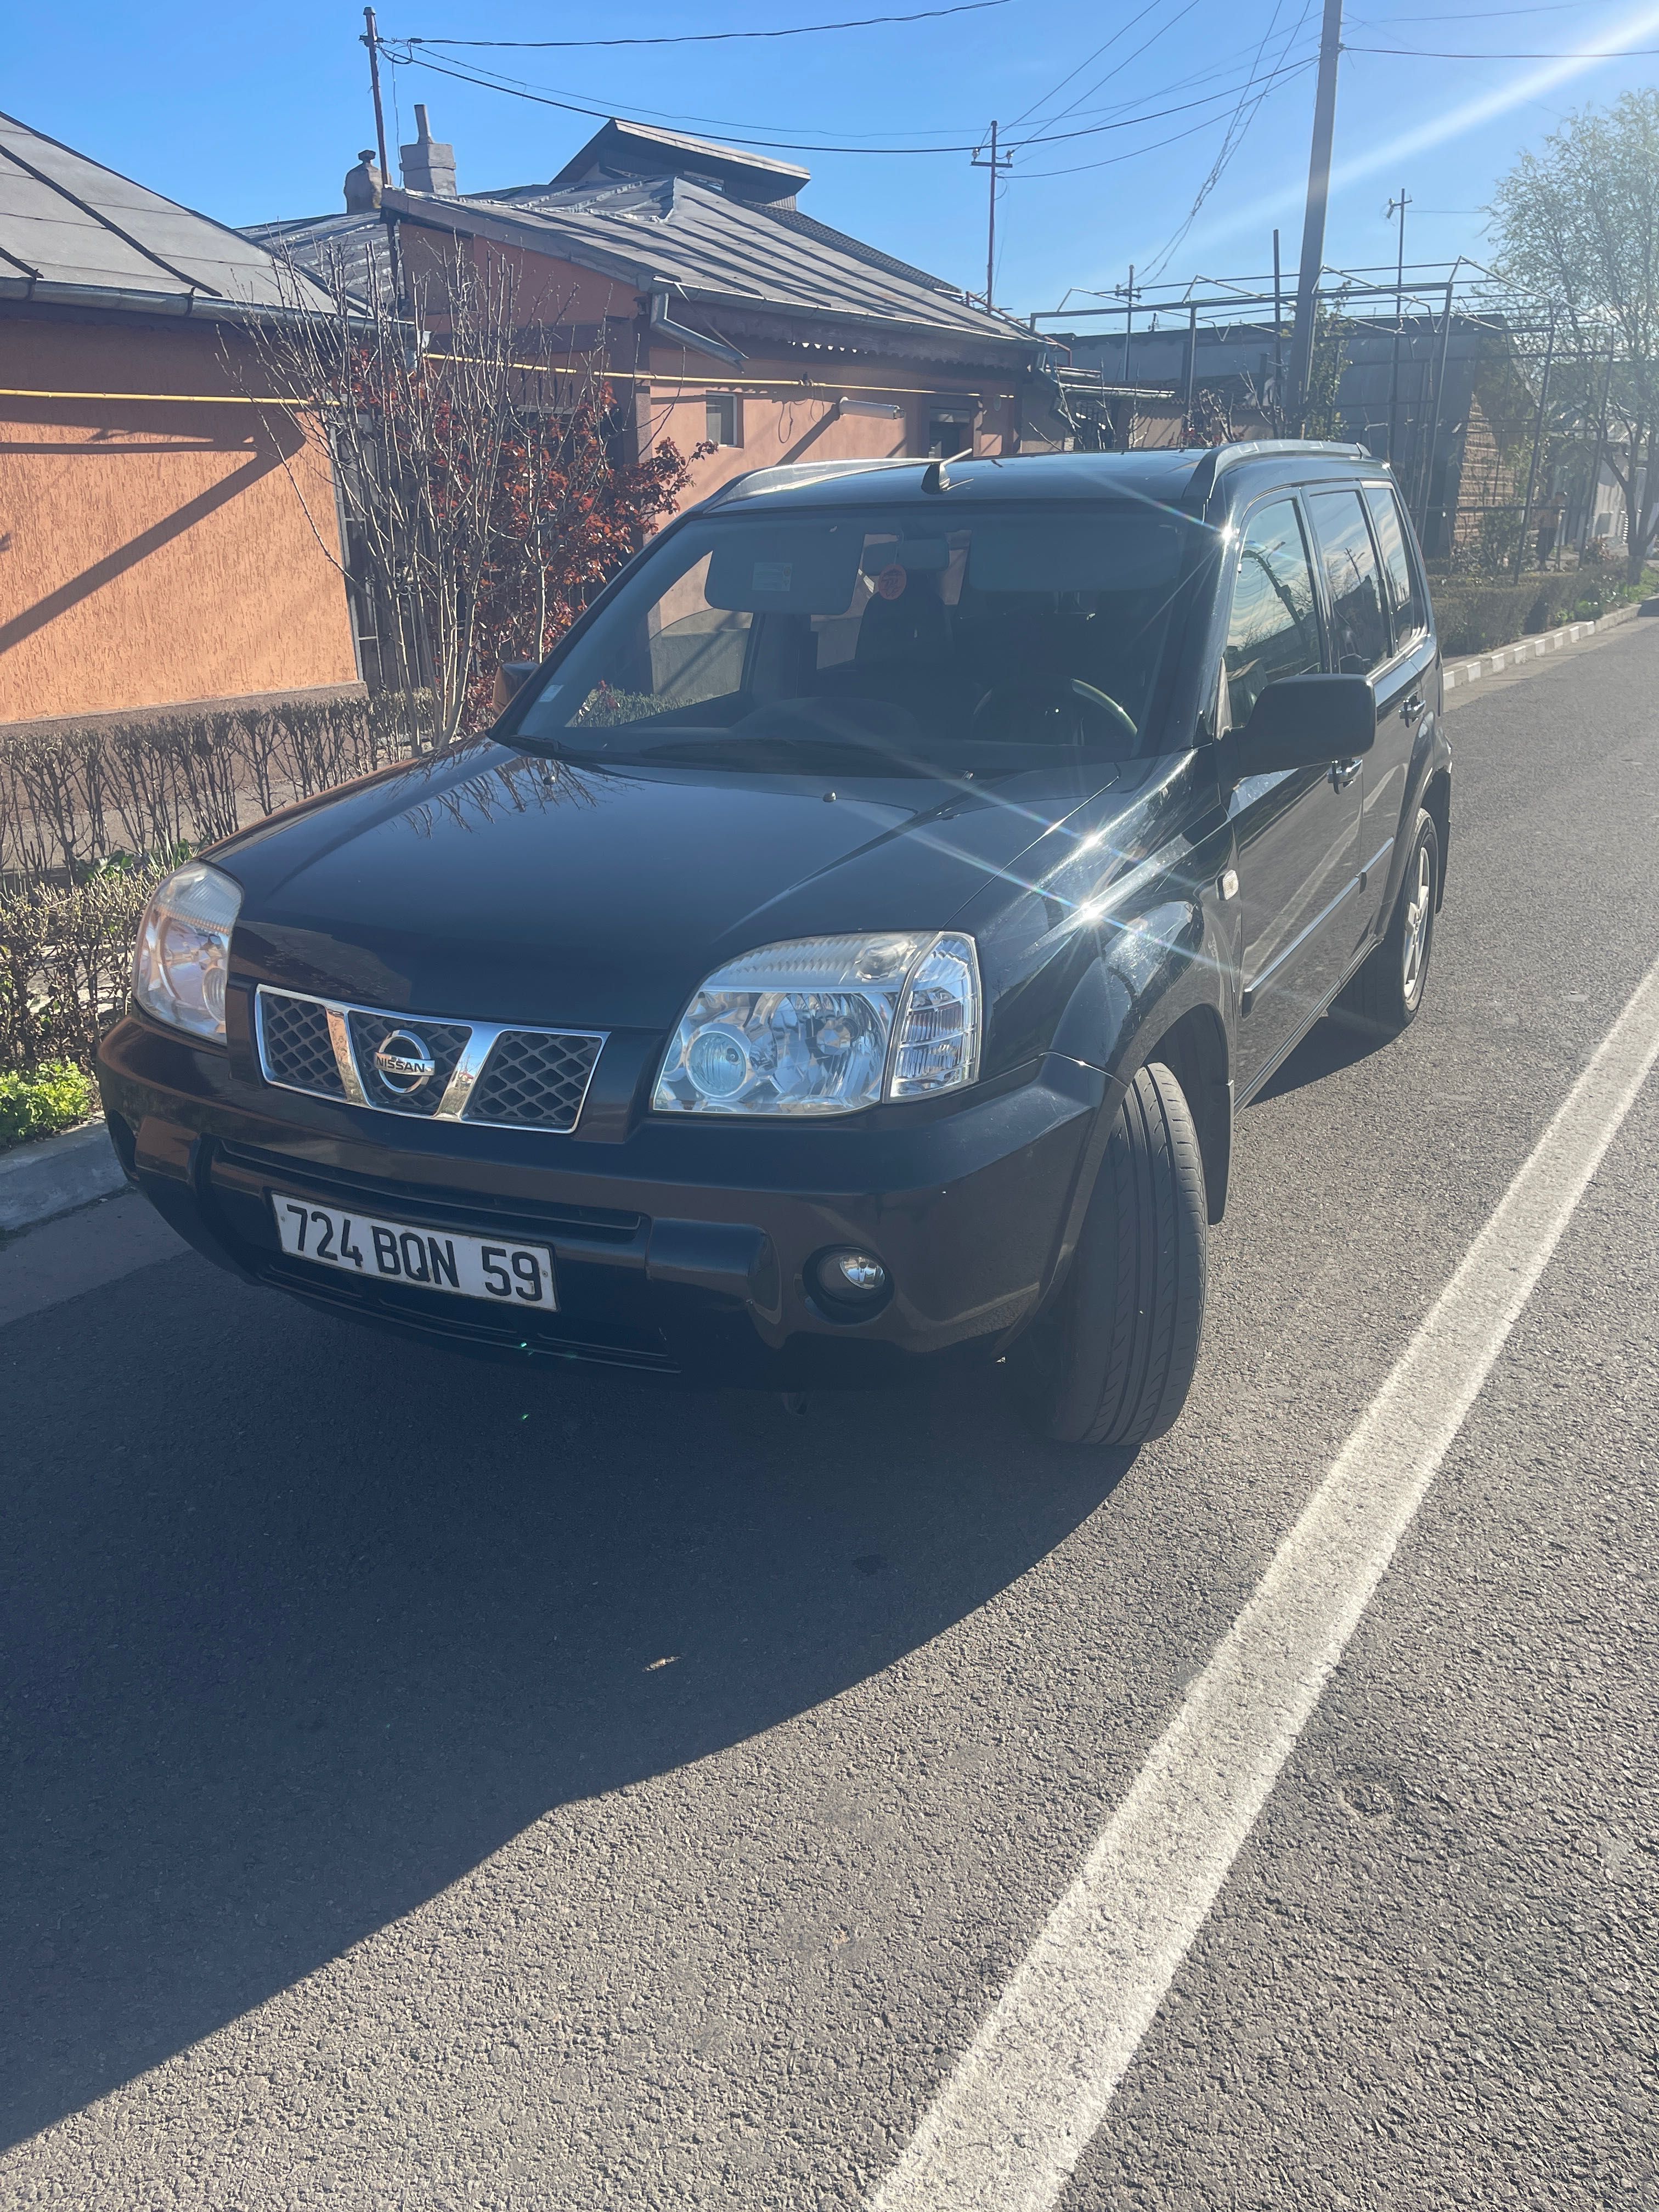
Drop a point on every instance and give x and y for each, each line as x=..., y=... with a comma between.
x=1460, y=674
x=56, y=1174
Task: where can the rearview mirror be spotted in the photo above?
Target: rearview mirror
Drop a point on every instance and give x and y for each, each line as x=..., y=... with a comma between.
x=511, y=676
x=1308, y=721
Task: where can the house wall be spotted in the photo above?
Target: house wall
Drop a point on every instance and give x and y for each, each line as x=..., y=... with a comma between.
x=780, y=425
x=544, y=290
x=153, y=554
x=782, y=419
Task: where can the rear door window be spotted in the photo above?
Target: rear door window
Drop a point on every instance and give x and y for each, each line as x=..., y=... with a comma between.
x=1274, y=626
x=1352, y=579
x=1400, y=572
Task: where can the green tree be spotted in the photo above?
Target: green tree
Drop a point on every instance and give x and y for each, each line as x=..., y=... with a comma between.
x=1578, y=222
x=1321, y=412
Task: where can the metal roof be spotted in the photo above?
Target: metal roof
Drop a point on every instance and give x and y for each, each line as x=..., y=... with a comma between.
x=74, y=232
x=702, y=247
x=619, y=147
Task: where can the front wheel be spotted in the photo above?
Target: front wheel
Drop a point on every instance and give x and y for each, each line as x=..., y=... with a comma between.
x=1112, y=1364
x=1383, y=998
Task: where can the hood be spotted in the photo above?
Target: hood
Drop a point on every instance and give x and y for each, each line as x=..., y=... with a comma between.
x=497, y=885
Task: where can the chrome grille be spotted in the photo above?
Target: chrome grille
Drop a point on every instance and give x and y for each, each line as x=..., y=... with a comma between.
x=534, y=1079
x=483, y=1072
x=296, y=1047
x=445, y=1040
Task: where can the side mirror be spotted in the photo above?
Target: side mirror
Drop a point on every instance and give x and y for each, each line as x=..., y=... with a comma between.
x=1308, y=721
x=511, y=676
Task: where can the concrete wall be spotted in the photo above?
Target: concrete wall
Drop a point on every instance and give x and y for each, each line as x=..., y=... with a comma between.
x=156, y=554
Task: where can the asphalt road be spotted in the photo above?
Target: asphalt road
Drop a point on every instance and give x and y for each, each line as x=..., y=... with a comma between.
x=430, y=1786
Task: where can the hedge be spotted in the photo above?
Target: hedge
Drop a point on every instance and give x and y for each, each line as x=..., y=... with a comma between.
x=91, y=819
x=70, y=798
x=1476, y=617
x=55, y=1097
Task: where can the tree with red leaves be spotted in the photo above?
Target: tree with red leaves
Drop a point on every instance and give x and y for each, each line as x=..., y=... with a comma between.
x=483, y=480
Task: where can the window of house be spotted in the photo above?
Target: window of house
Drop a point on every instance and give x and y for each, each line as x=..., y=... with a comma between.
x=1352, y=579
x=725, y=423
x=1274, y=628
x=1410, y=616
x=949, y=432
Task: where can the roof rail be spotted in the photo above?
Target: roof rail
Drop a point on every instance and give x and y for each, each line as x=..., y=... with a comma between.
x=1251, y=449
x=788, y=474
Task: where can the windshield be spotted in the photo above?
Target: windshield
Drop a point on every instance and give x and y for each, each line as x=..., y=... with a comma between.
x=914, y=640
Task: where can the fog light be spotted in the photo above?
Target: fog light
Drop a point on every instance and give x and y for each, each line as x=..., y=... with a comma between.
x=851, y=1278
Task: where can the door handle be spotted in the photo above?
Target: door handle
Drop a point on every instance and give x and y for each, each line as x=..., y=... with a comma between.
x=1412, y=707
x=1343, y=773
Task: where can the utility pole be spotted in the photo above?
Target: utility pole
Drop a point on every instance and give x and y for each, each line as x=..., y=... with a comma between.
x=997, y=161
x=1279, y=342
x=1312, y=226
x=372, y=40
x=1192, y=373
x=1128, y=319
x=1397, y=208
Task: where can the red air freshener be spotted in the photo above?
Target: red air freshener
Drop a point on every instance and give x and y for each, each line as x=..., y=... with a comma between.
x=892, y=581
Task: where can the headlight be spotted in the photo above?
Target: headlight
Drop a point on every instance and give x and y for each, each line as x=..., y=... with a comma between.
x=827, y=1025
x=183, y=951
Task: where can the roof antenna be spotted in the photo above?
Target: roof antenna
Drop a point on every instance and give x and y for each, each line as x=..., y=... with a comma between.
x=933, y=477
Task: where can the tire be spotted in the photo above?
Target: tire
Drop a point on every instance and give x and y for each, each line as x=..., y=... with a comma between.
x=1113, y=1363
x=1384, y=996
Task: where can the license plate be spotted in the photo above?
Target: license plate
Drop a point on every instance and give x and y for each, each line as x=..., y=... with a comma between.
x=507, y=1275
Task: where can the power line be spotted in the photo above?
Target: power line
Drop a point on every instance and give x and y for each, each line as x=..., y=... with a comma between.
x=1043, y=99
x=719, y=38
x=488, y=80
x=1175, y=138
x=1118, y=68
x=1238, y=130
x=464, y=76
x=519, y=91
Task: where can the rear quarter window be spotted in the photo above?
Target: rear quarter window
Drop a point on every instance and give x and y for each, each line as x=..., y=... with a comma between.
x=1411, y=615
x=1352, y=581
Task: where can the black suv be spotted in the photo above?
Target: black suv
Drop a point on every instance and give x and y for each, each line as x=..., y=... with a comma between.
x=848, y=951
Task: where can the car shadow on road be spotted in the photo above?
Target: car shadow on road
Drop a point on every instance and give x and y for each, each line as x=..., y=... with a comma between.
x=305, y=1623
x=1328, y=1047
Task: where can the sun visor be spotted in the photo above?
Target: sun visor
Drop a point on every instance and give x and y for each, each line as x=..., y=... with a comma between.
x=1075, y=553
x=805, y=570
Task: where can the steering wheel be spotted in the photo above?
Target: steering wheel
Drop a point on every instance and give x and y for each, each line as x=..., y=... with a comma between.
x=1059, y=708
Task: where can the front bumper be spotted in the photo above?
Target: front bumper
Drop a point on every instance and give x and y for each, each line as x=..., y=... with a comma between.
x=681, y=1248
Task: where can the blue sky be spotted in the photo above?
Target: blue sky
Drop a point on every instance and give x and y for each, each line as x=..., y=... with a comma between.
x=246, y=117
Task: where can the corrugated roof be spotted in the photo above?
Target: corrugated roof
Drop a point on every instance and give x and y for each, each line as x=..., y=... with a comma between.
x=669, y=233
x=619, y=147
x=354, y=246
x=72, y=230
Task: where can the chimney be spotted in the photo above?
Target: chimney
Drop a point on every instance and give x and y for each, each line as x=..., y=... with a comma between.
x=428, y=166
x=363, y=185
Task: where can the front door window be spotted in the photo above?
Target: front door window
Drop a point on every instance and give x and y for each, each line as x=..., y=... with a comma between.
x=1274, y=630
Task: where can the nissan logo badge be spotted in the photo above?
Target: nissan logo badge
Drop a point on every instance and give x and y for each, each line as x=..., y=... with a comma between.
x=403, y=1063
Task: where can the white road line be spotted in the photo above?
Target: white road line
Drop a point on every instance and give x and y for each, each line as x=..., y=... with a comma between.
x=1007, y=2129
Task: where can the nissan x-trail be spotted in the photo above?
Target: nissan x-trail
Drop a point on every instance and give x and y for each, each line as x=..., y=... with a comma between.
x=847, y=953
